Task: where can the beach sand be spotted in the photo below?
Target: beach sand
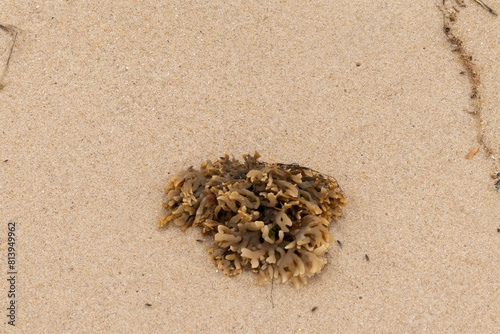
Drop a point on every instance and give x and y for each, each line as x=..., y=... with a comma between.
x=104, y=102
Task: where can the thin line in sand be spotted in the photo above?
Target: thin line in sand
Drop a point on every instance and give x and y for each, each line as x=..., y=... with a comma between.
x=12, y=31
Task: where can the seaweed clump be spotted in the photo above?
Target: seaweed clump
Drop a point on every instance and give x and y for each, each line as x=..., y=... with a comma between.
x=272, y=218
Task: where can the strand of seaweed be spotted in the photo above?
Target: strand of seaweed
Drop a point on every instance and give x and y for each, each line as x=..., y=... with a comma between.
x=450, y=12
x=297, y=166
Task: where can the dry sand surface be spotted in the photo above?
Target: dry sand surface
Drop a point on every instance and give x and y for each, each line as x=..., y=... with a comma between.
x=104, y=101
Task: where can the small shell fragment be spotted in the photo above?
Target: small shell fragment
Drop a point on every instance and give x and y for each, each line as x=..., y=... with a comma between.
x=472, y=153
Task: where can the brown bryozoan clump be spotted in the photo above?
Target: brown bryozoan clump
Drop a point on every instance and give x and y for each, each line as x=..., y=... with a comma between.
x=272, y=218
